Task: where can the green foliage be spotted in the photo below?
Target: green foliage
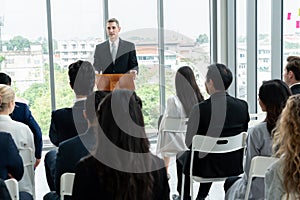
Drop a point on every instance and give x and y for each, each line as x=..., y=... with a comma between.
x=291, y=45
x=202, y=38
x=149, y=93
x=39, y=97
x=18, y=43
x=2, y=58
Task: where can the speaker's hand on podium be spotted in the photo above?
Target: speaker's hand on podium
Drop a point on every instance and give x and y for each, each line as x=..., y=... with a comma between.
x=133, y=72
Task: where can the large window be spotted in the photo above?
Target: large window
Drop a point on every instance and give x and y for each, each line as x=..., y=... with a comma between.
x=140, y=27
x=241, y=51
x=24, y=54
x=77, y=27
x=291, y=29
x=187, y=39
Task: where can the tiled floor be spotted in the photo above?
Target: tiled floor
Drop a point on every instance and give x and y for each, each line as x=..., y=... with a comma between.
x=216, y=192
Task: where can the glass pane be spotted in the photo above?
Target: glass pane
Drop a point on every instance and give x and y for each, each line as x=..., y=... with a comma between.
x=24, y=55
x=77, y=28
x=140, y=27
x=241, y=34
x=187, y=40
x=291, y=30
x=263, y=43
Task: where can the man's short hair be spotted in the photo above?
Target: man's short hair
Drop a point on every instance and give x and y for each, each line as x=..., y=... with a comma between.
x=113, y=20
x=5, y=79
x=293, y=64
x=220, y=75
x=82, y=77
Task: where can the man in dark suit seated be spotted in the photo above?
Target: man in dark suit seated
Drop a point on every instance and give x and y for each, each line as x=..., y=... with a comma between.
x=219, y=116
x=73, y=149
x=115, y=56
x=23, y=114
x=292, y=74
x=69, y=122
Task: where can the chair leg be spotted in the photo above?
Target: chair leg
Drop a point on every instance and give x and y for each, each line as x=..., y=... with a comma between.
x=191, y=187
x=182, y=186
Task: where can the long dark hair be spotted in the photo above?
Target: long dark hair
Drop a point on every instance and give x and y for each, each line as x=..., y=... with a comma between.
x=273, y=94
x=187, y=89
x=122, y=124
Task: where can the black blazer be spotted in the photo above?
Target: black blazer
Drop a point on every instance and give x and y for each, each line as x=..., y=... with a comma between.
x=10, y=160
x=70, y=152
x=219, y=116
x=22, y=114
x=125, y=59
x=295, y=89
x=67, y=123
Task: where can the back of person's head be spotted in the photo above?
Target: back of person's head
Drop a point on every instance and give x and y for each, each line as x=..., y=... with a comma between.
x=92, y=103
x=293, y=64
x=220, y=75
x=187, y=89
x=287, y=143
x=273, y=94
x=5, y=79
x=82, y=77
x=113, y=20
x=122, y=140
x=121, y=119
x=7, y=95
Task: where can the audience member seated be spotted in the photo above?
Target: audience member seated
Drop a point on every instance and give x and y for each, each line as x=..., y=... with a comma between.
x=69, y=122
x=283, y=176
x=122, y=166
x=292, y=74
x=178, y=106
x=11, y=165
x=23, y=114
x=73, y=149
x=273, y=95
x=219, y=116
x=21, y=135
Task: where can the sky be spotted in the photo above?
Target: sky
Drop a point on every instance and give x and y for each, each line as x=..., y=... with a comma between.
x=84, y=18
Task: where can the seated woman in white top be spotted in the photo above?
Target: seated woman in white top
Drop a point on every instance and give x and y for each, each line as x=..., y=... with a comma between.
x=21, y=134
x=273, y=95
x=283, y=177
x=178, y=106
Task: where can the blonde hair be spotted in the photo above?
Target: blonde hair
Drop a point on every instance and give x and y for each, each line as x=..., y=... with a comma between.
x=6, y=96
x=287, y=144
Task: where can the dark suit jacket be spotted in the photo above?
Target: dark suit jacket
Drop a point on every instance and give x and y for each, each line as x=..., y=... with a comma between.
x=125, y=59
x=70, y=152
x=22, y=114
x=219, y=116
x=295, y=89
x=10, y=160
x=67, y=123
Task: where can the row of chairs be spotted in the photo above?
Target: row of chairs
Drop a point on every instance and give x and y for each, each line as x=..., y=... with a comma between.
x=66, y=186
x=207, y=144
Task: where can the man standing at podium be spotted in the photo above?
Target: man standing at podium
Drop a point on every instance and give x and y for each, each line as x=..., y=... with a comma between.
x=115, y=56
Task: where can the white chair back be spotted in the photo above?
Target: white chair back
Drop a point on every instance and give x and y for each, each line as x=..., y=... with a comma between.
x=66, y=184
x=208, y=144
x=13, y=188
x=258, y=168
x=27, y=183
x=175, y=124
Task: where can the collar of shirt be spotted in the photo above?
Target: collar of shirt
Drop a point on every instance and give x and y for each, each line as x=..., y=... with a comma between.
x=116, y=43
x=298, y=83
x=80, y=99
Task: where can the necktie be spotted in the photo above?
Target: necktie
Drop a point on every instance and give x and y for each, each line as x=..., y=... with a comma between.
x=113, y=51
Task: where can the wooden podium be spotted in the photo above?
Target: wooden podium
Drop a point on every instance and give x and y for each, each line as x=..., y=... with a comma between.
x=108, y=82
